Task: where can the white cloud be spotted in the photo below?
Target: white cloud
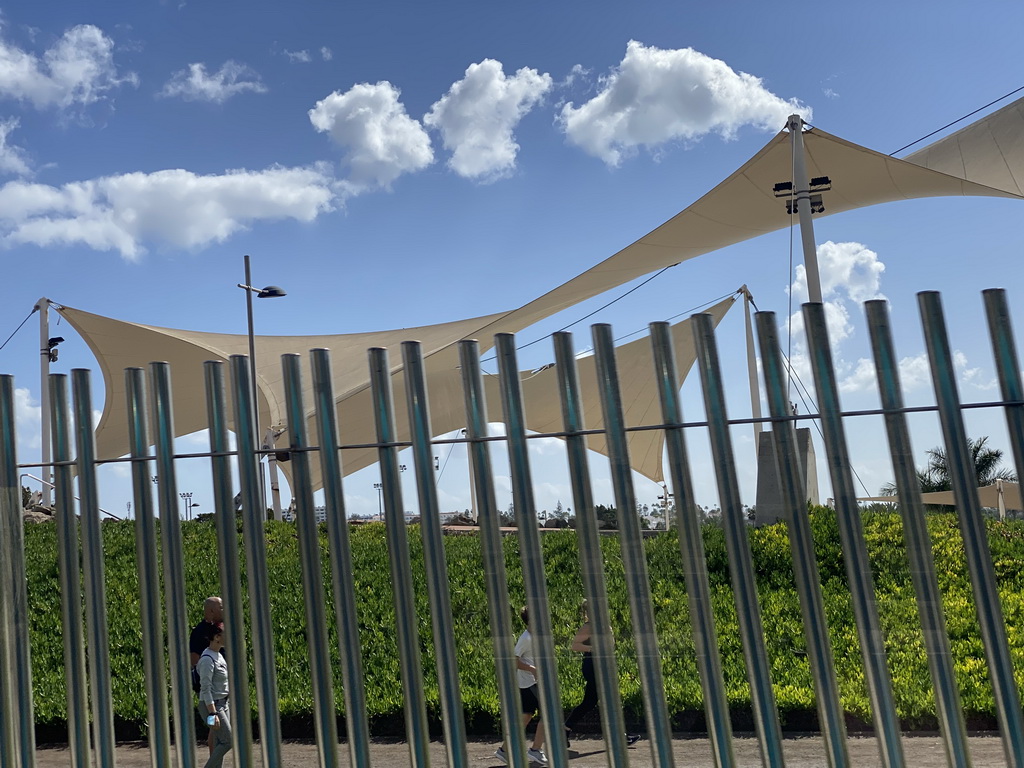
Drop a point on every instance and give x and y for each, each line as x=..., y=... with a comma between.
x=850, y=273
x=194, y=84
x=655, y=96
x=849, y=268
x=171, y=207
x=78, y=69
x=915, y=374
x=478, y=114
x=302, y=57
x=326, y=53
x=13, y=160
x=27, y=420
x=379, y=139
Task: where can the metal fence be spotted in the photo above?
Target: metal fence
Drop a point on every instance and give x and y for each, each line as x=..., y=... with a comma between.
x=90, y=708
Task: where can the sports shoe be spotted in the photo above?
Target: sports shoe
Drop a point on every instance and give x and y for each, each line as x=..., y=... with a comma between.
x=500, y=754
x=537, y=756
x=632, y=738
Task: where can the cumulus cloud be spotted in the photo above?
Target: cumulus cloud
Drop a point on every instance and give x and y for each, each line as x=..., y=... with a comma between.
x=477, y=116
x=850, y=273
x=379, y=140
x=915, y=374
x=326, y=53
x=171, y=207
x=77, y=70
x=195, y=84
x=849, y=268
x=13, y=160
x=301, y=57
x=656, y=95
x=27, y=420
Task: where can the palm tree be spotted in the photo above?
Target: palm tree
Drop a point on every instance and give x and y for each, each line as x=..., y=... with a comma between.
x=935, y=475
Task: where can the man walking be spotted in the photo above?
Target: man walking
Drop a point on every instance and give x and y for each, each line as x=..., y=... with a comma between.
x=199, y=641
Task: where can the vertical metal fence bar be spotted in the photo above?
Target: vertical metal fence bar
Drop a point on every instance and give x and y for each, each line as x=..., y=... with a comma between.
x=92, y=564
x=805, y=566
x=691, y=548
x=492, y=552
x=918, y=540
x=174, y=562
x=10, y=512
x=591, y=557
x=634, y=558
x=1004, y=350
x=855, y=551
x=398, y=555
x=453, y=720
x=230, y=571
x=530, y=551
x=324, y=712
x=254, y=517
x=70, y=576
x=148, y=564
x=356, y=722
x=748, y=608
x=972, y=526
x=18, y=725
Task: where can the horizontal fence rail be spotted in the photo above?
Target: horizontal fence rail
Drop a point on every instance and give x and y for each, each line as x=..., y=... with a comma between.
x=432, y=699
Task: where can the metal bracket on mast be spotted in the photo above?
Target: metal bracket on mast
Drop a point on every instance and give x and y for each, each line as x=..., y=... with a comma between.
x=805, y=198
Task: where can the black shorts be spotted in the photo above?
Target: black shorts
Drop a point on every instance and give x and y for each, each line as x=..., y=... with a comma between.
x=528, y=699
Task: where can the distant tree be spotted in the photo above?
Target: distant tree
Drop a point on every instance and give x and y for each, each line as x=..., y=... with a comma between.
x=560, y=513
x=607, y=516
x=936, y=477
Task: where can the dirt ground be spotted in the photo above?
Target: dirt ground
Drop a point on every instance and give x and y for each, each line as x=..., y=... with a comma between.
x=921, y=752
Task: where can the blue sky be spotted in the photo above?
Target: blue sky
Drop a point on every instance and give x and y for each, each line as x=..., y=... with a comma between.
x=398, y=164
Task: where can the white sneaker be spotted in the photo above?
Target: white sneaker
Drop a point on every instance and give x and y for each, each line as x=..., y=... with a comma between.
x=537, y=756
x=500, y=754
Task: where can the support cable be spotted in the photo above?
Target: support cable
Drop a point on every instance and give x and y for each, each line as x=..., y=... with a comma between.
x=19, y=327
x=959, y=119
x=590, y=314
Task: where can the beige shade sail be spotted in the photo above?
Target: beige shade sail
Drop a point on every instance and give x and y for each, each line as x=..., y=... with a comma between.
x=638, y=390
x=743, y=206
x=118, y=344
x=1001, y=494
x=989, y=151
x=541, y=402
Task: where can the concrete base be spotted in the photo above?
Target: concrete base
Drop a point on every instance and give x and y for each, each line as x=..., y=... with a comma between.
x=770, y=508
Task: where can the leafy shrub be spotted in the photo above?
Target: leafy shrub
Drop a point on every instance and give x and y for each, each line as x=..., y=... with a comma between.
x=472, y=641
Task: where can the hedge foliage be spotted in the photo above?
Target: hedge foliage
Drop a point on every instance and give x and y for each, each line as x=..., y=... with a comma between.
x=779, y=603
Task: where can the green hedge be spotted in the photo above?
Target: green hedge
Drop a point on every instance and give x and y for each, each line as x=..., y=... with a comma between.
x=779, y=602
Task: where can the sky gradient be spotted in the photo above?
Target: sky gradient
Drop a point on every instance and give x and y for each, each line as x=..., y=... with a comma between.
x=396, y=164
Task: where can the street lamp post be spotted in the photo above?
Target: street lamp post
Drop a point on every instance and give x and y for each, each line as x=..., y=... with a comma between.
x=187, y=498
x=379, y=487
x=269, y=292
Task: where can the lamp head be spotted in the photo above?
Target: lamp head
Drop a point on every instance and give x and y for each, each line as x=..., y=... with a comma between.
x=271, y=292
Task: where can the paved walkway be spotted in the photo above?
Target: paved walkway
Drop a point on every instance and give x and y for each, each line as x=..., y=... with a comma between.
x=921, y=752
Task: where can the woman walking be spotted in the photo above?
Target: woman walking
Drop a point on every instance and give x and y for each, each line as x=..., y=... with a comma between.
x=213, y=697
